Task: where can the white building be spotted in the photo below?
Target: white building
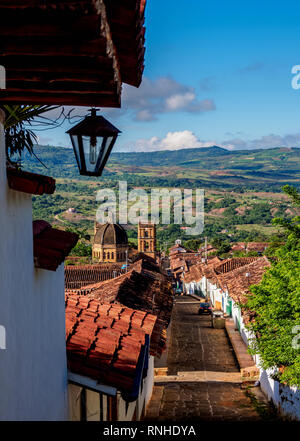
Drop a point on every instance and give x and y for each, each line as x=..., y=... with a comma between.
x=226, y=284
x=33, y=369
x=110, y=368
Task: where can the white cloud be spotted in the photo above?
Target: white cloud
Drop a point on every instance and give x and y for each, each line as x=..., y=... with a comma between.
x=162, y=95
x=181, y=140
x=179, y=101
x=172, y=141
x=187, y=139
x=264, y=142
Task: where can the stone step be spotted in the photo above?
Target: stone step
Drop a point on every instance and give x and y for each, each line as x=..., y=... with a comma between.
x=160, y=371
x=201, y=376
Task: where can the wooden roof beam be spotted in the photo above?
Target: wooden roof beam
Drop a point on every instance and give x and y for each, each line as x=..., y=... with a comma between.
x=62, y=86
x=53, y=48
x=54, y=25
x=101, y=64
x=62, y=98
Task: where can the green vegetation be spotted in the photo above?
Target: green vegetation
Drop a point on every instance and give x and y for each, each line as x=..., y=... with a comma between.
x=82, y=248
x=276, y=303
x=233, y=211
x=211, y=167
x=19, y=137
x=193, y=244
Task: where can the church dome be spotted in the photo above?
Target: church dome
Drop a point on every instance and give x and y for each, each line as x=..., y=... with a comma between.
x=110, y=234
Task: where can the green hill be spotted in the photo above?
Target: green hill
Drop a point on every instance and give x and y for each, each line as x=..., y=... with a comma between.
x=207, y=167
x=242, y=188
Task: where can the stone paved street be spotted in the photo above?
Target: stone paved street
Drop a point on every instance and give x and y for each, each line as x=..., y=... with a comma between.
x=203, y=380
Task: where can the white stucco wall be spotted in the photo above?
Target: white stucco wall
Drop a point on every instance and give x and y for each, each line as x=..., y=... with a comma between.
x=125, y=412
x=33, y=372
x=285, y=398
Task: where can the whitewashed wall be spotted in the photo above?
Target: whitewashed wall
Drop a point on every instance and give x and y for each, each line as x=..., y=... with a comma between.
x=125, y=413
x=33, y=373
x=285, y=398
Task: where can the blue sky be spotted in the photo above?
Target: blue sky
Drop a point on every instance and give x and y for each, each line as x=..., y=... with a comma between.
x=216, y=72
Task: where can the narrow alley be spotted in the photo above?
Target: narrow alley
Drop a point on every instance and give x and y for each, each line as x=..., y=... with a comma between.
x=202, y=380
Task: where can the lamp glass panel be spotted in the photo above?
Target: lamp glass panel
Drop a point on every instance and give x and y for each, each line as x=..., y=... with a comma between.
x=107, y=145
x=74, y=139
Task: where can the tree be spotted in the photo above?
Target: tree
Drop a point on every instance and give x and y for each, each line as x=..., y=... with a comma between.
x=82, y=248
x=193, y=244
x=276, y=305
x=223, y=246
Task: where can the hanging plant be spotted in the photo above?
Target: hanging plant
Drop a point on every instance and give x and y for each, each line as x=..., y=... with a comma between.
x=18, y=135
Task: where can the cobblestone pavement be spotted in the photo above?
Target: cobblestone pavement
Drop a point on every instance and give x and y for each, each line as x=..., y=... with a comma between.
x=202, y=381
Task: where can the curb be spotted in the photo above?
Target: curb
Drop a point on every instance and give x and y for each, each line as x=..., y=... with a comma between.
x=249, y=371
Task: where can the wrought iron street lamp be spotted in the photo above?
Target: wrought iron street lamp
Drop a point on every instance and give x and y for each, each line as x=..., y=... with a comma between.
x=92, y=140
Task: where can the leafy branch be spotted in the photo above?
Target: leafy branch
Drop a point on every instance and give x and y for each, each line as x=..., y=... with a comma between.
x=18, y=136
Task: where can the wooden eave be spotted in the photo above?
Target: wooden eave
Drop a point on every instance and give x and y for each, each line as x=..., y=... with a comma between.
x=70, y=52
x=128, y=33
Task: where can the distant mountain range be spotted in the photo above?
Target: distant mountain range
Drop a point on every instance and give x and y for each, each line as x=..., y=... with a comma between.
x=207, y=156
x=203, y=165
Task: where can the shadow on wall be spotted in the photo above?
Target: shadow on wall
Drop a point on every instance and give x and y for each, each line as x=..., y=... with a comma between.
x=289, y=404
x=285, y=398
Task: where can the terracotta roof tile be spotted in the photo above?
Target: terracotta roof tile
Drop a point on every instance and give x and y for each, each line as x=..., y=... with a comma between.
x=238, y=281
x=77, y=276
x=105, y=344
x=144, y=289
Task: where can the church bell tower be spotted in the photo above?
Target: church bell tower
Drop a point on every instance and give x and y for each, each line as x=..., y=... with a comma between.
x=147, y=239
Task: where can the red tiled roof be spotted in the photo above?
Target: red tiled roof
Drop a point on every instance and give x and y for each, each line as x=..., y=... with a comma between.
x=29, y=182
x=142, y=256
x=257, y=246
x=178, y=260
x=201, y=269
x=238, y=281
x=51, y=246
x=250, y=246
x=214, y=267
x=231, y=264
x=77, y=276
x=194, y=274
x=104, y=341
x=143, y=288
x=239, y=246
